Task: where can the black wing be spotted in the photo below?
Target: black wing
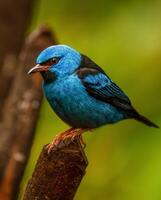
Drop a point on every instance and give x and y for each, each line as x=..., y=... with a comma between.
x=100, y=86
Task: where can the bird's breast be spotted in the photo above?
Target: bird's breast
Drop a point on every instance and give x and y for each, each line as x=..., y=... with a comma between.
x=66, y=97
x=75, y=106
x=64, y=90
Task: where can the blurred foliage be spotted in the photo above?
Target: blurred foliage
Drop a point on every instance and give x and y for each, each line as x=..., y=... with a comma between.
x=124, y=38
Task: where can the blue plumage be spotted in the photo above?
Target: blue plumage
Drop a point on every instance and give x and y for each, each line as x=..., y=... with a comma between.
x=80, y=92
x=69, y=60
x=71, y=102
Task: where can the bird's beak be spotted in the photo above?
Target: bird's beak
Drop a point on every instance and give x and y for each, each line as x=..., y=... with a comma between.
x=38, y=68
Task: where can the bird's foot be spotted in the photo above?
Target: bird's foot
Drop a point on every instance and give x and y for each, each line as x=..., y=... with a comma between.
x=57, y=140
x=78, y=133
x=82, y=141
x=50, y=146
x=72, y=133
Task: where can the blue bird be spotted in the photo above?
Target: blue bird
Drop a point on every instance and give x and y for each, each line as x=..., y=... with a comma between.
x=81, y=93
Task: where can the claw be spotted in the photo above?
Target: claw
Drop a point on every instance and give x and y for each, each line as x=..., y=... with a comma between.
x=72, y=133
x=49, y=147
x=57, y=140
x=82, y=141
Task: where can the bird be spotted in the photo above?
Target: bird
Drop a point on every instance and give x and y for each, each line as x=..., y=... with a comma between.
x=81, y=93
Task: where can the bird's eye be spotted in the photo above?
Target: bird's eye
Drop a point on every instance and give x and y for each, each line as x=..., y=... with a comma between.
x=50, y=62
x=54, y=61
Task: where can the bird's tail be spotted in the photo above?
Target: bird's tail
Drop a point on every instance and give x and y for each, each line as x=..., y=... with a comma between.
x=144, y=120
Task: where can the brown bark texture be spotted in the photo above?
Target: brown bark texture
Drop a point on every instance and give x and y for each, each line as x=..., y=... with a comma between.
x=58, y=174
x=14, y=18
x=20, y=114
x=14, y=21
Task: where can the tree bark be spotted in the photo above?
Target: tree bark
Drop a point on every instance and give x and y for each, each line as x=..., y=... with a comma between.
x=20, y=114
x=58, y=174
x=14, y=20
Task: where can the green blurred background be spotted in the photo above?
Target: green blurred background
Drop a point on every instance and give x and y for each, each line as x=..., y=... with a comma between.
x=124, y=38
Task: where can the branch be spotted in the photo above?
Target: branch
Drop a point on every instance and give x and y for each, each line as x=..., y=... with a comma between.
x=57, y=175
x=20, y=115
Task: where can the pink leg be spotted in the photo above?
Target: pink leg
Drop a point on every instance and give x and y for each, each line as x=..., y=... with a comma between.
x=58, y=139
x=78, y=132
x=62, y=136
x=70, y=133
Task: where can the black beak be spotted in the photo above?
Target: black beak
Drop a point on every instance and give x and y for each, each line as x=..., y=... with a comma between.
x=38, y=68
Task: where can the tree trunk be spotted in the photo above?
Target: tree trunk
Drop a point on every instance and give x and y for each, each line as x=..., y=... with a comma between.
x=20, y=114
x=14, y=20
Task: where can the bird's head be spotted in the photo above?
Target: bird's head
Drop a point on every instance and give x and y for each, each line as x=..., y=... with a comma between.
x=57, y=61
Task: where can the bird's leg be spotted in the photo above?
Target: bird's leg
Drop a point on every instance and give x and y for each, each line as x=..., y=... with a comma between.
x=78, y=132
x=70, y=133
x=82, y=141
x=60, y=137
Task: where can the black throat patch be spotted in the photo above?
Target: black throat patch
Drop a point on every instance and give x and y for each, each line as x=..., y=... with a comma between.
x=48, y=77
